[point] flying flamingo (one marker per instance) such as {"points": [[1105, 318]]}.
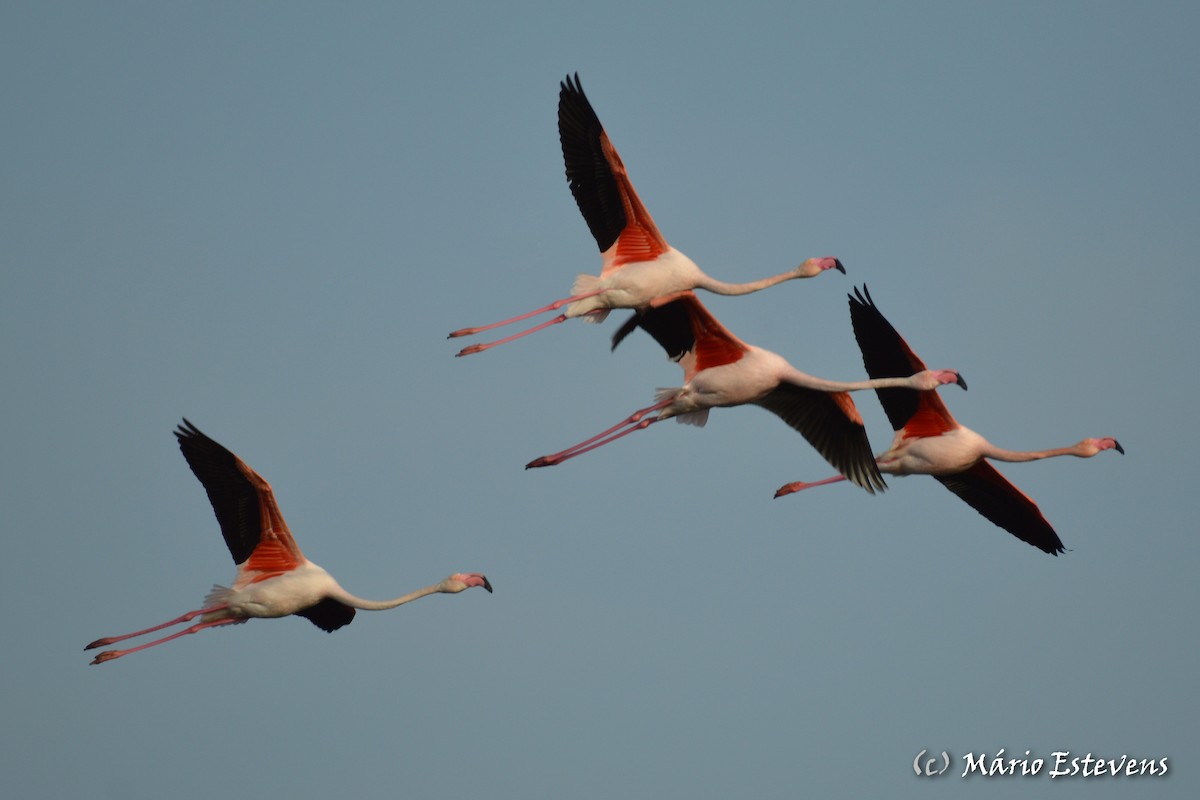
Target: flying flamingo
{"points": [[721, 370], [929, 441], [274, 579], [640, 268]]}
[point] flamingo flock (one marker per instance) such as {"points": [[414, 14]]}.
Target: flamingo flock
{"points": [[640, 271]]}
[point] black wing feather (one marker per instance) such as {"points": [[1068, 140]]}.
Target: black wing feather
{"points": [[588, 172], [627, 327], [990, 493], [840, 441], [885, 355], [670, 324], [234, 499], [328, 615]]}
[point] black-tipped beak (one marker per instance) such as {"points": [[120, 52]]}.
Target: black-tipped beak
{"points": [[837, 264], [1117, 445], [487, 584]]}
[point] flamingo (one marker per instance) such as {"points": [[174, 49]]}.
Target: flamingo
{"points": [[929, 441], [639, 268], [721, 370], [274, 579]]}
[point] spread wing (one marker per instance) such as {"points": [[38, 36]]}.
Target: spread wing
{"points": [[832, 425], [990, 493], [328, 615], [887, 355], [688, 332], [615, 215], [245, 507]]}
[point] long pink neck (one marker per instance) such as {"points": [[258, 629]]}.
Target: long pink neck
{"points": [[823, 385], [342, 596], [721, 287], [1000, 454]]}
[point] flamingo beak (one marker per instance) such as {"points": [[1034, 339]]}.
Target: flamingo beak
{"points": [[1117, 445], [837, 264], [486, 584], [962, 382]]}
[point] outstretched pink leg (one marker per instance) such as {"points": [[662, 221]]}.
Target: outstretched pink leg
{"points": [[479, 348], [557, 304], [109, 655], [599, 439], [797, 486], [558, 458], [188, 617]]}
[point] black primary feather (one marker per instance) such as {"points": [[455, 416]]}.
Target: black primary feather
{"points": [[885, 355], [234, 499], [988, 492], [588, 172], [328, 615], [670, 325], [818, 418]]}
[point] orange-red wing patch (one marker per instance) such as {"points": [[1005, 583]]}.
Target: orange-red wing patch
{"points": [[931, 419], [635, 244], [715, 345], [277, 551], [271, 556], [845, 404], [641, 239]]}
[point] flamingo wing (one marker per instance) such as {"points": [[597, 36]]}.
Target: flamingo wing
{"points": [[887, 355], [832, 425], [990, 493], [629, 326], [245, 507], [621, 225], [328, 615], [688, 332]]}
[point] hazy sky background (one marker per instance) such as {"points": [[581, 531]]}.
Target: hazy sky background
{"points": [[266, 217]]}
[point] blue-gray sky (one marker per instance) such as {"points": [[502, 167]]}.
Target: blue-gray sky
{"points": [[267, 217]]}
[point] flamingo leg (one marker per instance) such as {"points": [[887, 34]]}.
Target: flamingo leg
{"points": [[479, 348], [557, 304], [109, 655], [558, 459], [188, 617], [634, 420], [797, 486]]}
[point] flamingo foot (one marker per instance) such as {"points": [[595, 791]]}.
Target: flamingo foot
{"points": [[475, 348], [543, 461], [101, 642], [797, 486], [107, 655], [463, 332]]}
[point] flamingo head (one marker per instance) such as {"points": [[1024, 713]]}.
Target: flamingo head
{"points": [[933, 378], [461, 581], [815, 266], [1090, 447]]}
